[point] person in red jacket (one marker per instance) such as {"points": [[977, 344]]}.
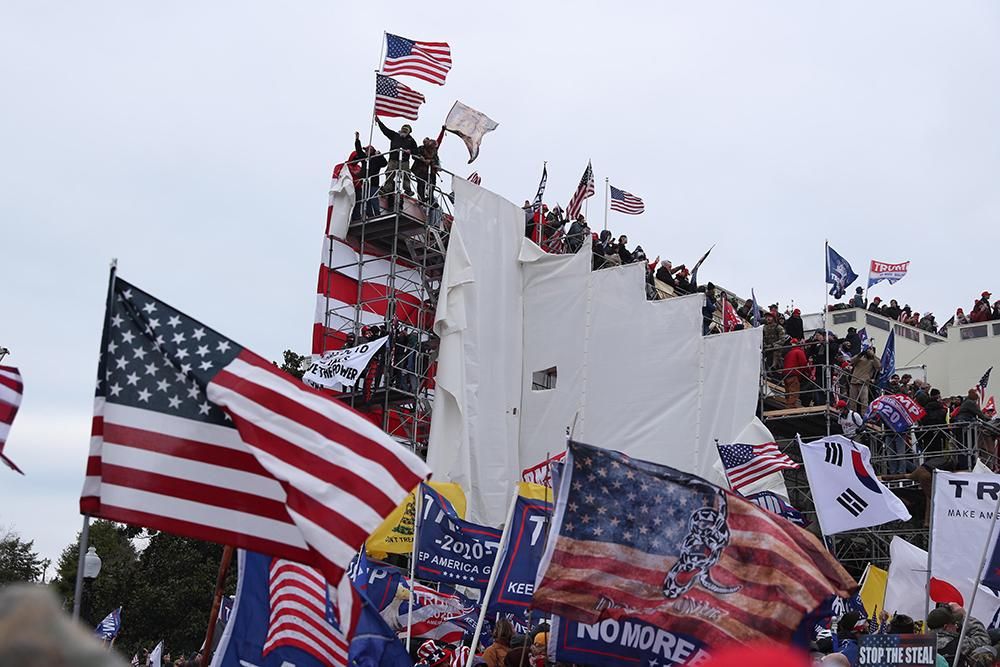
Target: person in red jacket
{"points": [[796, 370]]}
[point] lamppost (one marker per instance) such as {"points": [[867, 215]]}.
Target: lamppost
{"points": [[91, 568]]}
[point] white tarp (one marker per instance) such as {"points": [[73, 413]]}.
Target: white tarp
{"points": [[629, 374], [342, 367]]}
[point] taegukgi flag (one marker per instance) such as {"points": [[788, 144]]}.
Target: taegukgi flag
{"points": [[880, 271], [845, 489]]}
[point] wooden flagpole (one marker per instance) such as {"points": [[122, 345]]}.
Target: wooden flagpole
{"points": [[418, 495], [220, 581]]}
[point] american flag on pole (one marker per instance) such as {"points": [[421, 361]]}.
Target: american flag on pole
{"points": [[745, 464], [584, 190], [298, 614], [626, 202], [11, 390], [536, 205], [195, 435], [394, 100], [474, 178], [638, 540], [429, 61], [983, 382]]}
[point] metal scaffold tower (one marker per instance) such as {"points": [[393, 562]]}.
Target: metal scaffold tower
{"points": [[394, 250]]}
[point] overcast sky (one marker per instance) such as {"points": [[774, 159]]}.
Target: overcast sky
{"points": [[194, 142]]}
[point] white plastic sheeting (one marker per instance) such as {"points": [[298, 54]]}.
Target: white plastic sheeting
{"points": [[631, 374]]}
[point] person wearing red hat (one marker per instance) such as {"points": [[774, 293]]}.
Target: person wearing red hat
{"points": [[876, 305], [794, 326], [849, 420]]}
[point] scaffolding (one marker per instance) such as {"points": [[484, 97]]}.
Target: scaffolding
{"points": [[397, 250]]}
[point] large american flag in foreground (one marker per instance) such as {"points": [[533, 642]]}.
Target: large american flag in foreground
{"points": [[11, 390], [429, 61], [641, 540], [394, 100], [626, 202], [583, 190], [745, 464], [195, 435]]}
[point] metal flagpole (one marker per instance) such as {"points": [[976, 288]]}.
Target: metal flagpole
{"points": [[78, 590], [418, 496], [826, 335], [606, 186], [484, 601], [85, 532], [365, 194], [930, 535], [976, 580]]}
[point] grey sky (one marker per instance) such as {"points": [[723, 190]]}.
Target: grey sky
{"points": [[194, 141]]}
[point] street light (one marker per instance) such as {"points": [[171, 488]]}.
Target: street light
{"points": [[91, 564]]}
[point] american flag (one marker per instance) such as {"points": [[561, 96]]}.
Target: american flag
{"points": [[641, 540], [983, 382], [584, 190], [195, 435], [429, 61], [745, 464], [11, 390], [109, 628], [393, 99], [474, 178], [626, 202], [536, 205], [298, 603]]}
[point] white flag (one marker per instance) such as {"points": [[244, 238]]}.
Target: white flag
{"points": [[156, 656], [470, 125], [342, 198], [845, 490], [963, 507], [906, 588], [343, 367]]}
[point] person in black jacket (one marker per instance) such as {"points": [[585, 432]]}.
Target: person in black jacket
{"points": [[367, 188], [401, 147], [793, 325]]}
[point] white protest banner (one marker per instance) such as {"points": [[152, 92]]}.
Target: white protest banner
{"points": [[963, 507], [342, 367]]}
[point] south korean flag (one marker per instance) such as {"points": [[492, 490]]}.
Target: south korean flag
{"points": [[845, 490]]}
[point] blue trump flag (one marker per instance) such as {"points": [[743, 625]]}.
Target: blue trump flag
{"points": [[110, 626], [515, 582], [888, 360], [377, 581], [280, 619], [623, 641], [450, 549], [839, 273]]}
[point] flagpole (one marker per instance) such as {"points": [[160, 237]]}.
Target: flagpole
{"points": [[371, 129], [418, 496], [606, 186], [930, 534], [484, 601], [220, 582], [826, 336], [976, 580]]}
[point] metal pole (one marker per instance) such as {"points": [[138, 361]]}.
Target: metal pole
{"points": [[826, 335], [220, 582], [78, 590], [930, 534], [417, 504], [976, 580], [484, 601], [606, 186]]}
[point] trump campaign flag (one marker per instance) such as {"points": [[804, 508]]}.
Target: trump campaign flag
{"points": [[195, 435], [839, 273], [395, 534], [846, 492], [962, 515], [515, 580], [109, 628], [450, 549], [623, 641], [441, 615], [897, 411], [641, 541], [888, 361], [880, 271], [283, 615]]}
